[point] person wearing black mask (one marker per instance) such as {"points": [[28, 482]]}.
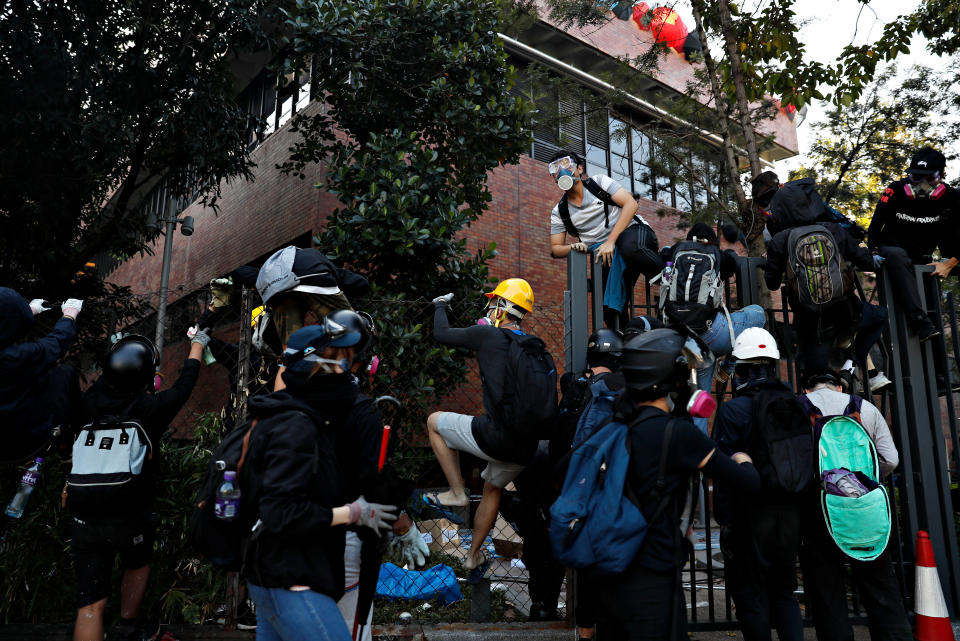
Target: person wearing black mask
{"points": [[915, 216]]}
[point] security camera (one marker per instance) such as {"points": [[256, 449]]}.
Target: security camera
{"points": [[186, 225]]}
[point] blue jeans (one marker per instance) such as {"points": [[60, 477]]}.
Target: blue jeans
{"points": [[717, 339], [284, 615]]}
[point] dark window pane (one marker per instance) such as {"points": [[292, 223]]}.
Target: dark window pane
{"points": [[641, 147], [623, 179], [597, 157], [620, 164]]}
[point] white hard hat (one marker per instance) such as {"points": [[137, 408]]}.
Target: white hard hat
{"points": [[753, 343]]}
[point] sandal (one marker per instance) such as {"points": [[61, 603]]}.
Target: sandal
{"points": [[476, 574], [432, 502]]}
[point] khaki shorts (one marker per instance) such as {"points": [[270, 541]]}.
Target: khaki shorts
{"points": [[457, 433]]}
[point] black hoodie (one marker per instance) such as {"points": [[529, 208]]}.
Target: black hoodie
{"points": [[918, 225], [22, 364], [293, 462]]}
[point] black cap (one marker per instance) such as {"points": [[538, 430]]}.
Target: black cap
{"points": [[763, 187], [811, 377], [927, 161]]}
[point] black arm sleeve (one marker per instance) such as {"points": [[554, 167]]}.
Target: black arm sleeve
{"points": [[469, 337], [741, 477], [728, 263], [876, 236], [861, 257], [776, 261], [351, 283], [227, 354], [168, 403]]}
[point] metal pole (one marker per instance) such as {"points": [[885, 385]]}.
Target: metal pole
{"points": [[171, 226]]}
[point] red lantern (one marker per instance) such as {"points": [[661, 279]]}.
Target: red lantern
{"points": [[668, 28]]}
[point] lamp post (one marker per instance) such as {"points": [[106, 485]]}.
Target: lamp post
{"points": [[169, 217]]}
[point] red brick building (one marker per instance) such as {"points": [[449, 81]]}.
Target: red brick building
{"points": [[275, 210]]}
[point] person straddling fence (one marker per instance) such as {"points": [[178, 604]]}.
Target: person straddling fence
{"points": [[519, 381], [692, 294], [816, 261], [110, 488], [914, 216], [760, 537], [36, 395], [294, 563], [598, 214], [849, 519], [637, 577]]}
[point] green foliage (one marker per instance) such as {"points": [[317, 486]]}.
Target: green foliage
{"points": [[101, 100], [863, 147], [420, 90], [39, 584]]}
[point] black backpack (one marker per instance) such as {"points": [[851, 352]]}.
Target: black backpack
{"points": [[531, 383], [224, 542], [781, 442], [695, 290], [817, 274]]}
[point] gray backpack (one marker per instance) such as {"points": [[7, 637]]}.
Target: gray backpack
{"points": [[816, 272], [694, 291]]}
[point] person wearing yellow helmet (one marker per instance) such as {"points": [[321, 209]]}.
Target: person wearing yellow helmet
{"points": [[506, 435]]}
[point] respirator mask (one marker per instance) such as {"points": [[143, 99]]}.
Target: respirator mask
{"points": [[700, 404], [924, 186], [562, 170]]}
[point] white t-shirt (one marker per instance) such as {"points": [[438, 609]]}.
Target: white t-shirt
{"points": [[588, 218]]}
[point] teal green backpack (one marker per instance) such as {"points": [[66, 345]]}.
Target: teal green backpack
{"points": [[860, 525]]}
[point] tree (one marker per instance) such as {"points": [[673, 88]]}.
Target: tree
{"points": [[100, 100], [417, 110], [865, 146]]}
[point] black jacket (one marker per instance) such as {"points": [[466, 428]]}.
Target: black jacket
{"points": [[493, 433], [154, 412], [293, 460], [917, 225], [777, 254], [22, 364]]}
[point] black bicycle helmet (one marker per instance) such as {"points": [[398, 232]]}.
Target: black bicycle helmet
{"points": [[131, 364], [653, 361], [353, 323], [604, 348]]}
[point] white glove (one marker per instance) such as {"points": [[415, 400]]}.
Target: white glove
{"points": [[201, 337], [375, 516], [446, 298], [38, 306], [412, 547], [71, 307]]}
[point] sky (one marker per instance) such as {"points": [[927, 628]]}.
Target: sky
{"points": [[828, 26]]}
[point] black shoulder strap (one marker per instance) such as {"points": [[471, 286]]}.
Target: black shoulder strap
{"points": [[600, 194], [658, 490], [564, 210]]}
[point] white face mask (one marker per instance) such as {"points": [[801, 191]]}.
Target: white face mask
{"points": [[565, 182]]}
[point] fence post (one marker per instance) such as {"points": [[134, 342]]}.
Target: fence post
{"points": [[480, 602]]}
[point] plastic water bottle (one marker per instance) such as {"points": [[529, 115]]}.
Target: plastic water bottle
{"points": [[27, 482], [667, 271], [227, 505]]}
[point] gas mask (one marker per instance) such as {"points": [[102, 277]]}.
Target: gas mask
{"points": [[562, 170], [924, 186], [700, 403]]}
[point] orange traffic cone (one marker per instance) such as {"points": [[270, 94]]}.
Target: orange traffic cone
{"points": [[933, 620]]}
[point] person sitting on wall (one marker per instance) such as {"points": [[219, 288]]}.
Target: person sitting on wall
{"points": [[916, 215], [597, 214]]}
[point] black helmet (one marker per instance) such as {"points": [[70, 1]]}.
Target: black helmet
{"points": [[654, 361], [131, 364], [604, 348], [639, 325], [354, 323]]}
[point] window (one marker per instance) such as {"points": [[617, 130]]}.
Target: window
{"points": [[621, 167], [271, 102]]}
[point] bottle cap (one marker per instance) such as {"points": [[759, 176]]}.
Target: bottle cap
{"points": [[39, 460], [230, 475]]}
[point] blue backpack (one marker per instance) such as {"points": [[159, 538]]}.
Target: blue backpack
{"points": [[597, 412], [597, 523]]}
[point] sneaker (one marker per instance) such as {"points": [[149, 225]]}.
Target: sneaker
{"points": [[247, 616], [878, 382], [925, 330]]}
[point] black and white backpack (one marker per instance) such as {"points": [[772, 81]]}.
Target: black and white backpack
{"points": [[108, 458], [694, 292]]}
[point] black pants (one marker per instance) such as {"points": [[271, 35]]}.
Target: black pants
{"points": [[817, 331], [641, 605], [585, 613], [761, 568], [824, 577], [898, 267], [638, 247]]}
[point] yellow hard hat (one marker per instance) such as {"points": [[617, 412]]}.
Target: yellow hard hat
{"points": [[256, 314], [516, 291]]}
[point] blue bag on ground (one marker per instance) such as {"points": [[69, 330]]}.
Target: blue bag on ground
{"points": [[439, 581], [596, 522]]}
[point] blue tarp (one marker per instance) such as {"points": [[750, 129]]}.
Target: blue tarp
{"points": [[438, 581]]}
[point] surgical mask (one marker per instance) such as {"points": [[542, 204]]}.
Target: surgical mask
{"points": [[328, 364]]}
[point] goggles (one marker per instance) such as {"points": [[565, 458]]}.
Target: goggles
{"points": [[927, 178], [567, 162]]}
